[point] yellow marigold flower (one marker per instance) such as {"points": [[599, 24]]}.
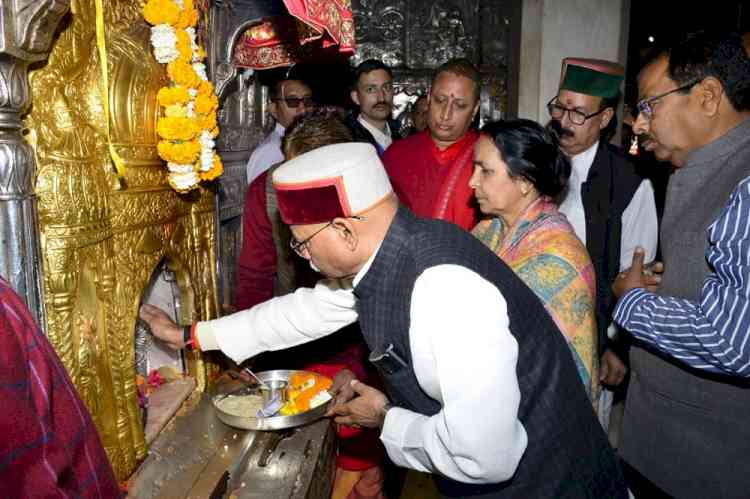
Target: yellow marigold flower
{"points": [[214, 132], [184, 45], [200, 54], [182, 73], [168, 96], [161, 12], [179, 152], [205, 104], [189, 15], [175, 111], [207, 122], [206, 88], [173, 128], [216, 170]]}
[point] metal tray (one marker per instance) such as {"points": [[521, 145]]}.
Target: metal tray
{"points": [[266, 424]]}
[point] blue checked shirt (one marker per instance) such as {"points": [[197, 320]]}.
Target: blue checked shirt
{"points": [[713, 334]]}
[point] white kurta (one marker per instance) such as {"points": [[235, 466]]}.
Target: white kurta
{"points": [[640, 226], [383, 138], [463, 356], [266, 154]]}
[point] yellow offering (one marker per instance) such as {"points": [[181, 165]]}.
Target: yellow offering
{"points": [[305, 391]]}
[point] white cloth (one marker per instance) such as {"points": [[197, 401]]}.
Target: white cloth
{"points": [[463, 356], [640, 226], [266, 154], [383, 138]]}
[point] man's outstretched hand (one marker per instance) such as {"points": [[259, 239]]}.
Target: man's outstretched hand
{"points": [[162, 326]]}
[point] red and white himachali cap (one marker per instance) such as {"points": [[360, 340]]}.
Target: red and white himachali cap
{"points": [[340, 180]]}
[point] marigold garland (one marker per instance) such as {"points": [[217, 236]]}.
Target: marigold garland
{"points": [[187, 126]]}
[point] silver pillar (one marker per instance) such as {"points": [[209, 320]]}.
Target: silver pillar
{"points": [[26, 31]]}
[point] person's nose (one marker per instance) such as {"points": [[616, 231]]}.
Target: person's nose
{"points": [[446, 112], [641, 124], [565, 121], [474, 179]]}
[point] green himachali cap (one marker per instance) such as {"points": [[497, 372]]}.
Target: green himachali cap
{"points": [[591, 77]]}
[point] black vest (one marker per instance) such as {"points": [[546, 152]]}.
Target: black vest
{"points": [[567, 455], [609, 187]]}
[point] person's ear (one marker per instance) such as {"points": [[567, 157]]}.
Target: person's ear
{"points": [[710, 91], [347, 231], [355, 97], [606, 118]]}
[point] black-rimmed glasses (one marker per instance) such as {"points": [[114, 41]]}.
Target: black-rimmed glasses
{"points": [[646, 106], [557, 111], [294, 102]]}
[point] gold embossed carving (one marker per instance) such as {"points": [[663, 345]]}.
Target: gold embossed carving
{"points": [[101, 241]]}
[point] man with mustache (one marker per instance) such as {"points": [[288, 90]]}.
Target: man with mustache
{"points": [[373, 93], [685, 428], [610, 207], [430, 170]]}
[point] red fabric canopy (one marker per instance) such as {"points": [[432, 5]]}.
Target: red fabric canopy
{"points": [[311, 25]]}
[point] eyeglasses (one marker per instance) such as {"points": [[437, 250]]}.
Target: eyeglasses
{"points": [[302, 247], [557, 111], [294, 102], [646, 106]]}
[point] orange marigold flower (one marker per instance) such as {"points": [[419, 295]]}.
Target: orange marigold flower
{"points": [[177, 128], [205, 104], [184, 45], [179, 152], [161, 12], [169, 96], [207, 122], [206, 88], [188, 16], [183, 73]]}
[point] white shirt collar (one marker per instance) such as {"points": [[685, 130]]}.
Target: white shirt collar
{"points": [[581, 162], [279, 129], [381, 137], [363, 271]]}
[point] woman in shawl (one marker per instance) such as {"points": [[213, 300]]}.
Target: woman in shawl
{"points": [[518, 171]]}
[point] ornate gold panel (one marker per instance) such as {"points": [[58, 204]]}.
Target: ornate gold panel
{"points": [[101, 238]]}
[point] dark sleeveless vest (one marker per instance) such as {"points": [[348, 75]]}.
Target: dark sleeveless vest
{"points": [[606, 193], [687, 430], [567, 455]]}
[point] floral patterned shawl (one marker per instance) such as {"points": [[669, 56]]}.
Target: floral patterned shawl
{"points": [[543, 250]]}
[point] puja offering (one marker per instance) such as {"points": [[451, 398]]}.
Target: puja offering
{"points": [[287, 400]]}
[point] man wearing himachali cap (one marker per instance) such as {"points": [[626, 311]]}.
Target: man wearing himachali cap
{"points": [[481, 388], [610, 206]]}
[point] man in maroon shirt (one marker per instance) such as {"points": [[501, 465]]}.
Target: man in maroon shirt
{"points": [[49, 446], [430, 170]]}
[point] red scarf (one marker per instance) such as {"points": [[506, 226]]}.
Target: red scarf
{"points": [[455, 201]]}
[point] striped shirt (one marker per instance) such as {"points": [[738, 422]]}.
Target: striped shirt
{"points": [[49, 446], [713, 334]]}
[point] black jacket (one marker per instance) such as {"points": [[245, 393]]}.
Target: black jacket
{"points": [[362, 134]]}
